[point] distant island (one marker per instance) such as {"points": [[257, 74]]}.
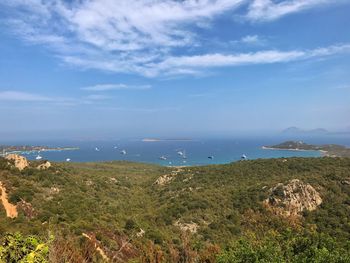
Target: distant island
{"points": [[165, 140], [333, 150], [6, 149]]}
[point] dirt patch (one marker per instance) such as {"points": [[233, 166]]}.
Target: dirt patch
{"points": [[11, 210]]}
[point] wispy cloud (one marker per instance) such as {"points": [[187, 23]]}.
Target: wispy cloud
{"points": [[143, 37], [96, 97], [253, 58], [108, 87], [13, 96], [22, 96], [251, 39], [267, 10]]}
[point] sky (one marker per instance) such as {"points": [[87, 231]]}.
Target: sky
{"points": [[121, 68]]}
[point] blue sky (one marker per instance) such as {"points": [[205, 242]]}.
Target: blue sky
{"points": [[120, 68]]}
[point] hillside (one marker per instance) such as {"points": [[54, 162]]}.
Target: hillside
{"points": [[121, 211]]}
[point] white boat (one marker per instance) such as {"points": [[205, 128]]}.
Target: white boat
{"points": [[180, 153], [38, 157], [97, 149], [162, 158], [244, 157], [68, 160], [211, 157], [123, 152], [115, 147]]}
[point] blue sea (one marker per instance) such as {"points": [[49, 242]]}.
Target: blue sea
{"points": [[186, 153]]}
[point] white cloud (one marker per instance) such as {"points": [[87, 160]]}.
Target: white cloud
{"points": [[95, 97], [108, 87], [22, 96], [251, 39], [253, 58], [267, 10], [143, 36]]}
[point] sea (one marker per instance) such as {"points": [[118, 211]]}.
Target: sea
{"points": [[172, 152]]}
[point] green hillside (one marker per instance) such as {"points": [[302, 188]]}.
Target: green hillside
{"points": [[131, 215]]}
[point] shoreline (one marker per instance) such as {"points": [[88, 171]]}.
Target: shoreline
{"points": [[42, 150], [323, 152]]}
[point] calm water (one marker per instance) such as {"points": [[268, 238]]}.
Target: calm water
{"points": [[196, 151]]}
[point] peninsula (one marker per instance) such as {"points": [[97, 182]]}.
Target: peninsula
{"points": [[332, 150], [6, 149]]}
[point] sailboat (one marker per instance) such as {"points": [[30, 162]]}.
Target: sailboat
{"points": [[123, 152], [68, 160], [38, 157]]}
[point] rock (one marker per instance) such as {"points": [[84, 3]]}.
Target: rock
{"points": [[167, 178], [346, 181], [54, 190], [293, 198], [20, 162], [27, 209], [164, 179], [191, 227], [141, 233], [44, 166]]}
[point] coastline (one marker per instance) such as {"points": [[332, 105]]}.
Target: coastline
{"points": [[42, 150], [323, 152]]}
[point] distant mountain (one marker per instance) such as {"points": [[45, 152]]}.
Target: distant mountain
{"points": [[296, 130]]}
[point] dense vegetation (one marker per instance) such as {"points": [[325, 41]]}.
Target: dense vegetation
{"points": [[117, 207]]}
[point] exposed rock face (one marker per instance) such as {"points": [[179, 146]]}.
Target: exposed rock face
{"points": [[346, 181], [191, 227], [20, 162], [164, 179], [293, 198], [167, 178], [44, 166]]}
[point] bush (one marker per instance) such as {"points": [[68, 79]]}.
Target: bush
{"points": [[16, 248]]}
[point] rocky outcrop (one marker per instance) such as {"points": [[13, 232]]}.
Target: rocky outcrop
{"points": [[187, 227], [164, 179], [44, 166], [27, 209], [293, 198], [19, 161], [167, 178]]}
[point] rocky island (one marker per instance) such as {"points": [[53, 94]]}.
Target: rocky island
{"points": [[332, 150]]}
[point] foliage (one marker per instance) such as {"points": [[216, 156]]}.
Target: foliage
{"points": [[224, 201], [16, 248], [317, 248]]}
